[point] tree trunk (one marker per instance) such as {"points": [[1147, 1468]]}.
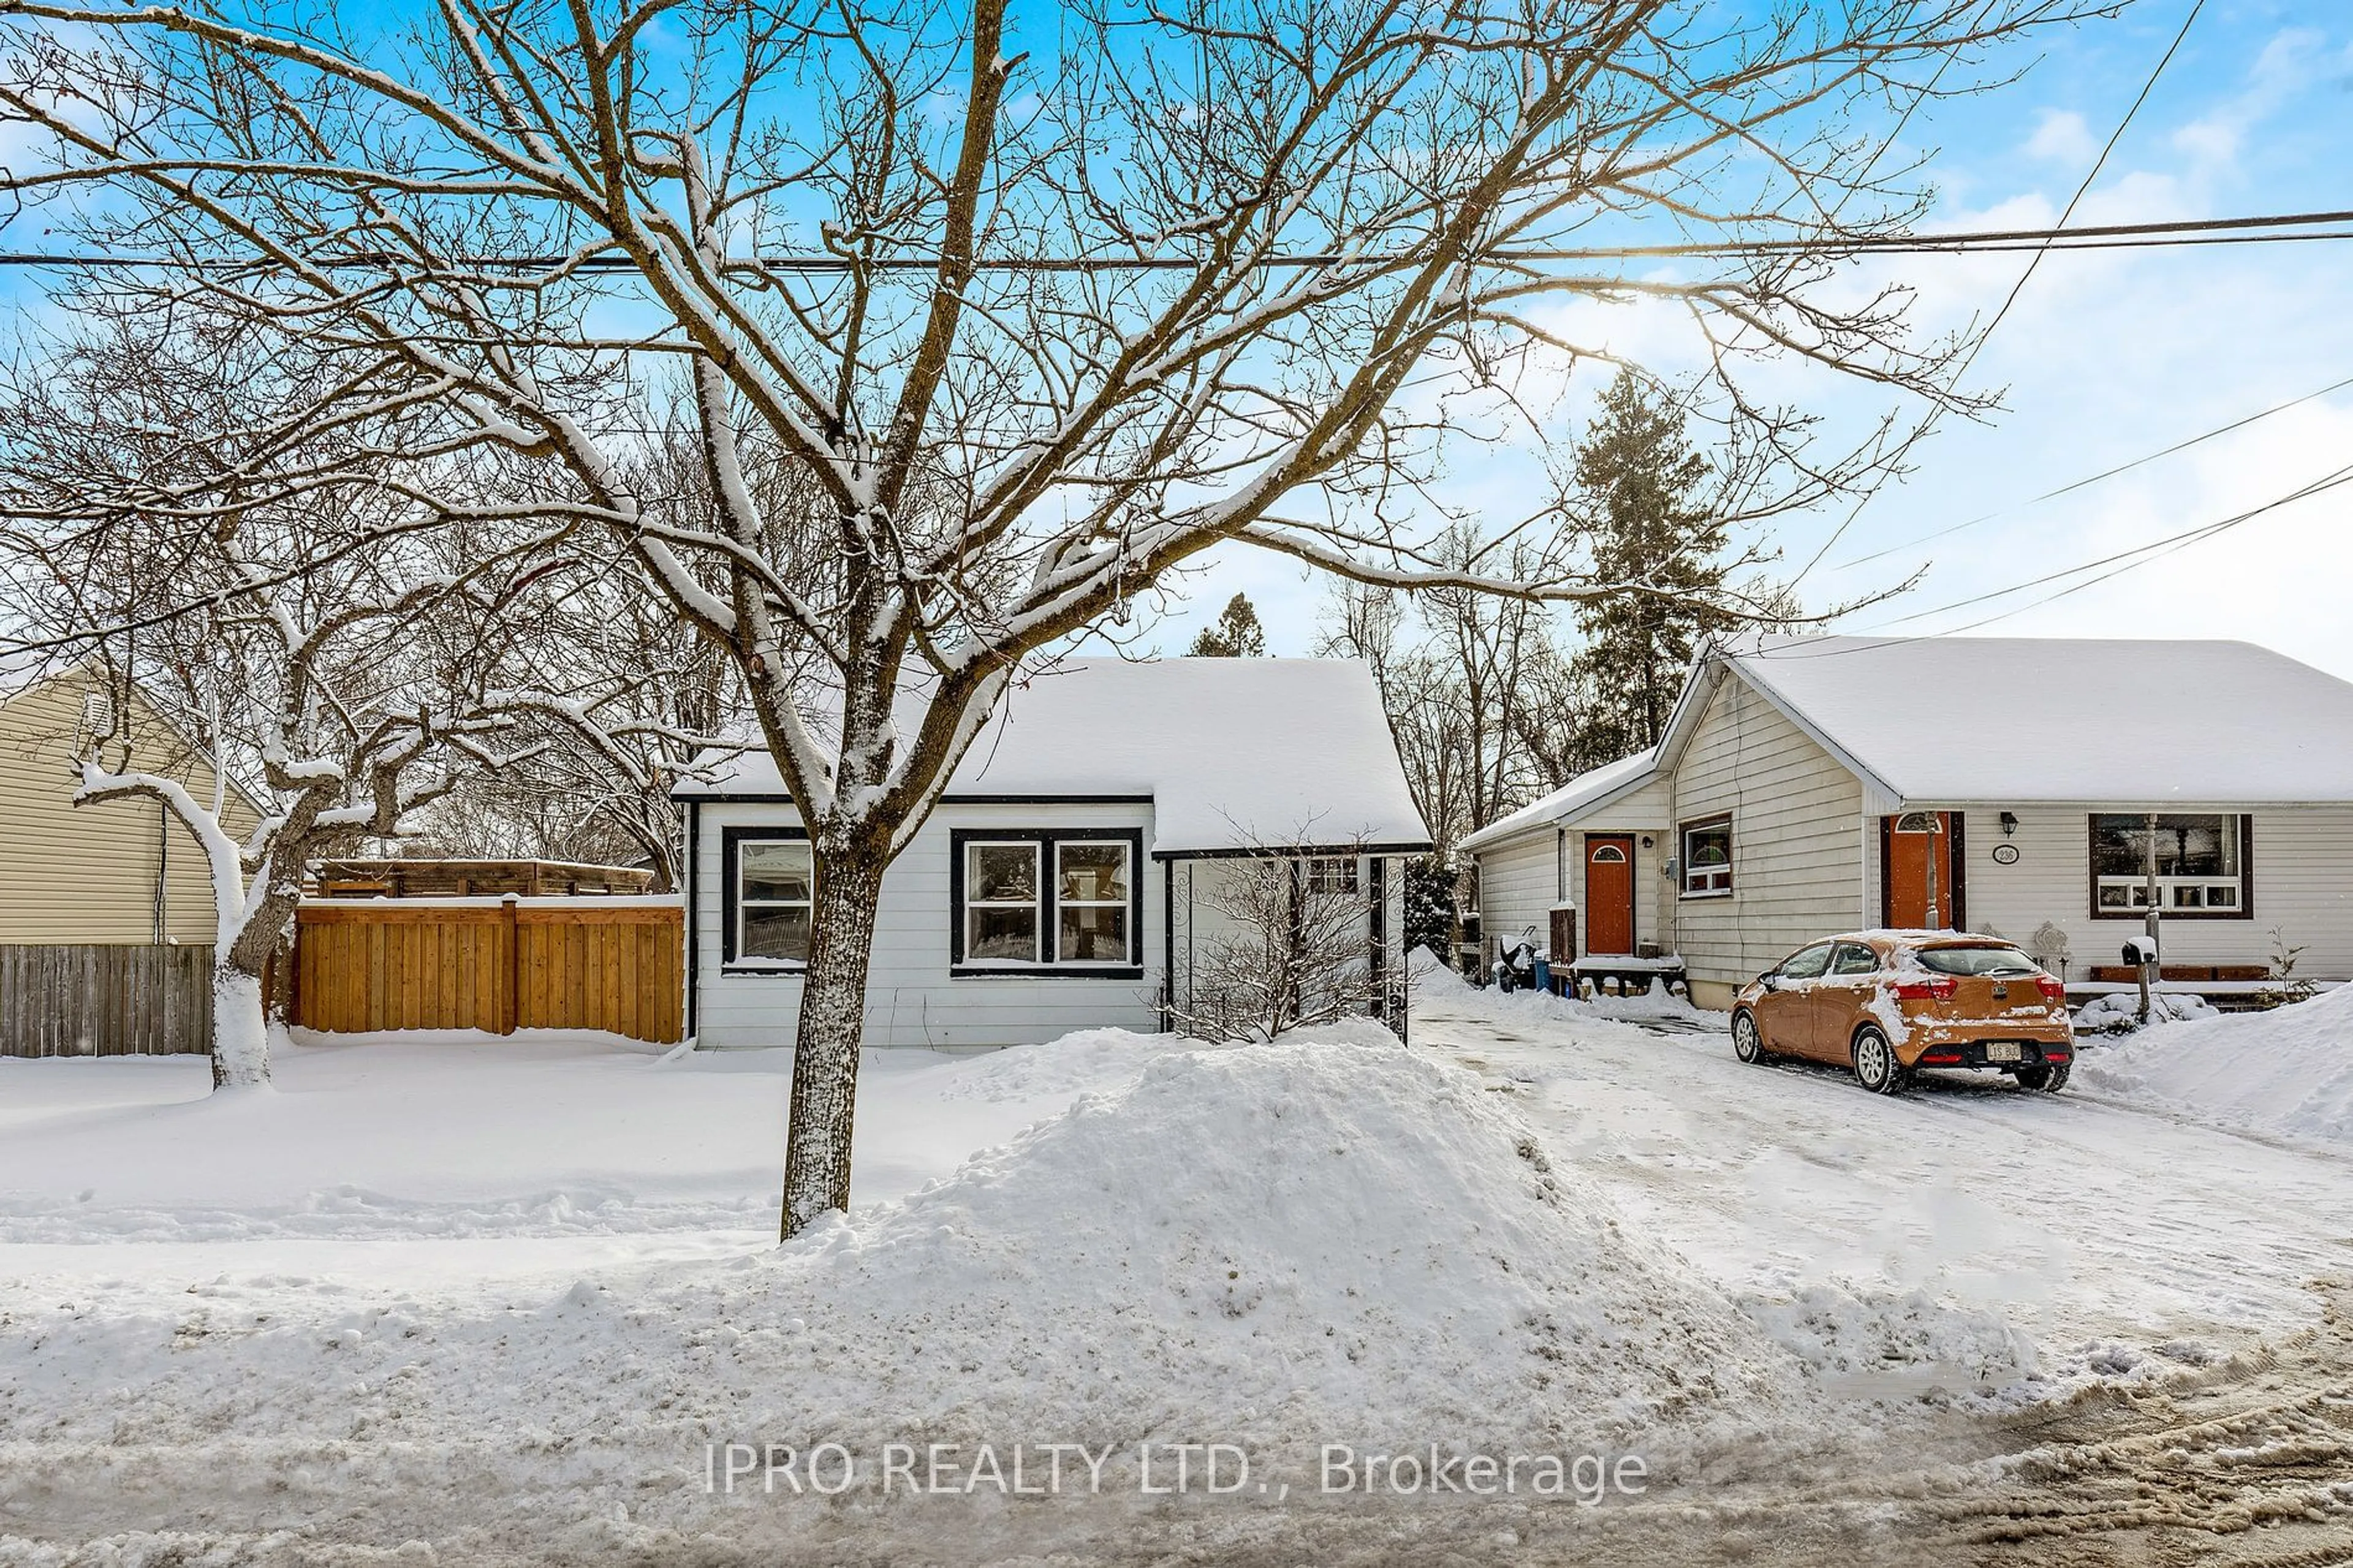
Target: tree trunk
{"points": [[825, 1053], [240, 1029]]}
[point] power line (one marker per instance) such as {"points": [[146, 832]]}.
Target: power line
{"points": [[2256, 228], [2098, 163], [2120, 563], [2035, 261], [2138, 555], [2070, 488]]}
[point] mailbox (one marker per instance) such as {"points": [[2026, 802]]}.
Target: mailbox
{"points": [[2140, 950]]}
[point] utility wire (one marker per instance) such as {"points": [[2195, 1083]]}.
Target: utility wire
{"points": [[2123, 560], [2254, 228], [2094, 478], [2018, 288]]}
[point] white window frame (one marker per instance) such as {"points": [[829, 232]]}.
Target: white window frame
{"points": [[743, 958], [1124, 903], [1714, 881], [1330, 875], [1035, 903], [2176, 895]]}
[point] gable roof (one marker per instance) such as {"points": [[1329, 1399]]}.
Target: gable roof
{"points": [[1234, 753], [2057, 719], [1585, 791], [28, 676]]}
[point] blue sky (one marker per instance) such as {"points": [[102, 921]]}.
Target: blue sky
{"points": [[2106, 358]]}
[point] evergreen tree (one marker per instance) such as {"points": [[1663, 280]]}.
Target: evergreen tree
{"points": [[1236, 634], [1640, 501]]}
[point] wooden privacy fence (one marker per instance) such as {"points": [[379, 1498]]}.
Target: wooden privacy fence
{"points": [[500, 964], [106, 1000]]}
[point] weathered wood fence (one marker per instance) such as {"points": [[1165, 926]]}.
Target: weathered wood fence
{"points": [[499, 964], [105, 1000]]}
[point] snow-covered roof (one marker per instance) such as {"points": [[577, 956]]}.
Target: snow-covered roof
{"points": [[2064, 719], [1235, 753], [1586, 789]]}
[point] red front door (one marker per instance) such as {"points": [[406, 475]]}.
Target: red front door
{"points": [[1610, 894], [1920, 891]]}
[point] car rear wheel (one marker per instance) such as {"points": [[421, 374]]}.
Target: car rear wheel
{"points": [[1875, 1066], [1746, 1043], [2050, 1077]]}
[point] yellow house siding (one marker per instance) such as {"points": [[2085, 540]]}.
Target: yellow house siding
{"points": [[1796, 841], [88, 874]]}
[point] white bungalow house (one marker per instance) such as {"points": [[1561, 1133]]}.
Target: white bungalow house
{"points": [[1061, 883], [2031, 788]]}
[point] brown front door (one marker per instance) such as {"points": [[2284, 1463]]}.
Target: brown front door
{"points": [[1609, 894], [1921, 894]]}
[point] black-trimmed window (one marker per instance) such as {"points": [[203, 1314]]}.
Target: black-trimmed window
{"points": [[1047, 901], [1332, 874], [769, 882], [2200, 863], [1706, 871]]}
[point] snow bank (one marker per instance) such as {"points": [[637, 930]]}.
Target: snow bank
{"points": [[455, 1136], [1272, 1245], [2118, 1012], [1308, 1237], [1427, 971], [2289, 1071], [1654, 1005]]}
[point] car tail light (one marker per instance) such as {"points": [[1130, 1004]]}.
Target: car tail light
{"points": [[2049, 1055], [2053, 990], [1941, 1059], [1940, 989]]}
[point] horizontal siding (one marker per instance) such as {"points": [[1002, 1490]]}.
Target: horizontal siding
{"points": [[2303, 886], [1796, 839], [912, 1000], [1519, 881], [88, 874], [1645, 810]]}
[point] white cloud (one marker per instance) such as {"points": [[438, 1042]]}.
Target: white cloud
{"points": [[2062, 137]]}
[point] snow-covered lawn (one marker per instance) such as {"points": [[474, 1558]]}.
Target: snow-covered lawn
{"points": [[465, 1137], [494, 1301]]}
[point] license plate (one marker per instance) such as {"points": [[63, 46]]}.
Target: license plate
{"points": [[2002, 1051]]}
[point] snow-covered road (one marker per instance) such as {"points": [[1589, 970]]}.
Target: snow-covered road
{"points": [[2092, 1224]]}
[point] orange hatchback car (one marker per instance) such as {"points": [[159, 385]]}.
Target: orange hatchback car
{"points": [[1886, 1003]]}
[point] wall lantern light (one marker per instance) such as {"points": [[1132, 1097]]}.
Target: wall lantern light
{"points": [[2008, 824], [1646, 841]]}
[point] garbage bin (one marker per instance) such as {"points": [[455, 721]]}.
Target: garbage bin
{"points": [[1544, 973]]}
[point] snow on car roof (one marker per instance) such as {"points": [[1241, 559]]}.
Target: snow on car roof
{"points": [[2066, 719], [1235, 753], [1921, 936]]}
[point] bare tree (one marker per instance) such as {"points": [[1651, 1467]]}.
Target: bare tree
{"points": [[1064, 300], [624, 702], [1281, 945], [346, 657], [1456, 669]]}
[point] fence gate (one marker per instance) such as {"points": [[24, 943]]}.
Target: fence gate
{"points": [[112, 999]]}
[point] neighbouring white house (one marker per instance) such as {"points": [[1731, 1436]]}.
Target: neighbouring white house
{"points": [[2029, 787], [1066, 878]]}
